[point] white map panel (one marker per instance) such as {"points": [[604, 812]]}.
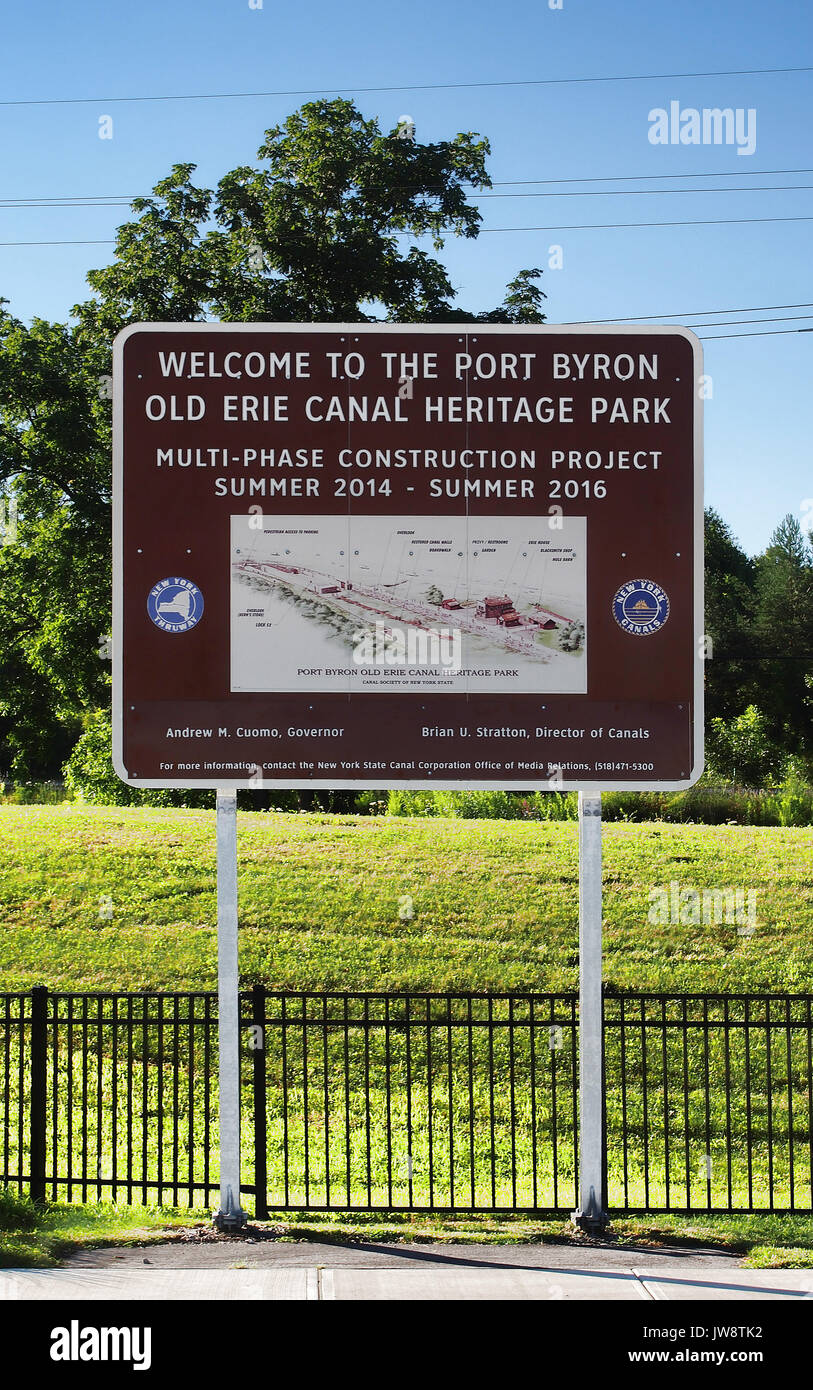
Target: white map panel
{"points": [[406, 603]]}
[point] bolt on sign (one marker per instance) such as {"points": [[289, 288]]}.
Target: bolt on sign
{"points": [[392, 555]]}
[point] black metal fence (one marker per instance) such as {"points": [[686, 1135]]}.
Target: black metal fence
{"points": [[409, 1102], [420, 1101]]}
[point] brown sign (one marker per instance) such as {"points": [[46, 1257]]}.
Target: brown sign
{"points": [[360, 555]]}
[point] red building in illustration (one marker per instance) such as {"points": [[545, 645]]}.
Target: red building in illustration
{"points": [[495, 607]]}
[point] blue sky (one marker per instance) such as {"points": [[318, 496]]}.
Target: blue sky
{"points": [[758, 452]]}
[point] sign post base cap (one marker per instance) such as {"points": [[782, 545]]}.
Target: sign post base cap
{"points": [[593, 1220], [230, 1218]]}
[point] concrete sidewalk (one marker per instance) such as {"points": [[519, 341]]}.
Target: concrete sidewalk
{"points": [[429, 1284], [218, 1269]]}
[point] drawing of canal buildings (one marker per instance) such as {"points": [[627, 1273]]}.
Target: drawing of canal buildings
{"points": [[410, 574]]}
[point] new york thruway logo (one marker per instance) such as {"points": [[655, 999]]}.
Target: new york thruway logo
{"points": [[175, 605]]}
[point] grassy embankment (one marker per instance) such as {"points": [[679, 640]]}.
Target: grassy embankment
{"points": [[495, 903]]}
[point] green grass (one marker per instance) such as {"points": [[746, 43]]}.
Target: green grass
{"points": [[42, 1239], [779, 1242], [495, 902], [494, 907], [33, 1238]]}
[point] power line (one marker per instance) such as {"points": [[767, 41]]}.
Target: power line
{"points": [[108, 242], [551, 227], [769, 333], [631, 178], [725, 323], [8, 204], [601, 226], [643, 192], [415, 87], [81, 197], [690, 313], [721, 323], [42, 203], [117, 199]]}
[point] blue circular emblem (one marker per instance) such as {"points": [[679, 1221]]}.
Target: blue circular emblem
{"points": [[175, 605], [641, 607]]}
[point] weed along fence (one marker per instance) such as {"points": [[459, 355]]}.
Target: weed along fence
{"points": [[410, 1102]]}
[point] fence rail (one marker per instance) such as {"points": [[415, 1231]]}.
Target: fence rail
{"points": [[409, 1102]]}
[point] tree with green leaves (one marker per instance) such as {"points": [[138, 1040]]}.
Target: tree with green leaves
{"points": [[55, 561], [732, 678], [784, 634], [318, 231], [323, 227], [570, 637], [742, 750]]}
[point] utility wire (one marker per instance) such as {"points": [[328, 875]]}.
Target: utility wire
{"points": [[690, 313], [108, 242], [632, 178], [81, 197], [601, 226], [551, 227], [726, 323], [116, 199], [8, 204], [475, 197], [721, 323], [574, 323], [769, 333], [415, 87], [620, 192], [657, 192]]}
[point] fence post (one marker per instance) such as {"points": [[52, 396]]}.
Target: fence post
{"points": [[260, 1104], [39, 1091]]}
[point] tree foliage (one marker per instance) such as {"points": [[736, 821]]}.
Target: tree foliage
{"points": [[570, 637], [730, 610], [784, 635], [759, 614], [317, 231], [741, 749], [55, 562], [323, 227]]}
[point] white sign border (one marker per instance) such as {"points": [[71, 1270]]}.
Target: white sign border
{"points": [[465, 334]]}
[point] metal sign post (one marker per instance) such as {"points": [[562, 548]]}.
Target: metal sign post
{"points": [[591, 1214], [230, 1216]]}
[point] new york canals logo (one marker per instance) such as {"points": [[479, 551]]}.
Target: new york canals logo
{"points": [[175, 605], [641, 607]]}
